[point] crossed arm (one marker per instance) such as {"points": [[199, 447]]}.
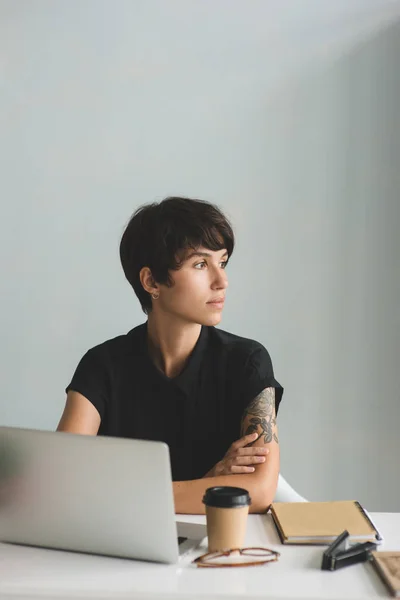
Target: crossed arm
{"points": [[259, 421], [239, 467]]}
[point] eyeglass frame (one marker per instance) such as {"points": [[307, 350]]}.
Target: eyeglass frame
{"points": [[201, 562]]}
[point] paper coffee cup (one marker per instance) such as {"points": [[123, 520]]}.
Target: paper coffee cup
{"points": [[226, 513]]}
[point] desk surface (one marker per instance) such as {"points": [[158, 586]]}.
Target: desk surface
{"points": [[38, 573]]}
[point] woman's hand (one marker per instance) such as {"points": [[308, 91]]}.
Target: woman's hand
{"points": [[240, 457]]}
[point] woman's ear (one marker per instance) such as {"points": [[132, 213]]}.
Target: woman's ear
{"points": [[148, 282]]}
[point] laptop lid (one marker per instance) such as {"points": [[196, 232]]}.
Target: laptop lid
{"points": [[94, 494]]}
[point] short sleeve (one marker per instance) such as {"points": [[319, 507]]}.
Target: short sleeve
{"points": [[90, 380], [258, 375]]}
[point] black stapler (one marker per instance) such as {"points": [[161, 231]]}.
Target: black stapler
{"points": [[339, 554]]}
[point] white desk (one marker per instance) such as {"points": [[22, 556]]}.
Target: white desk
{"points": [[37, 573]]}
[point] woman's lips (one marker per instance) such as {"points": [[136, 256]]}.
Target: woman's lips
{"points": [[216, 303]]}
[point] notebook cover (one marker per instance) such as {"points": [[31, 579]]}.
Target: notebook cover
{"points": [[307, 521], [387, 565]]}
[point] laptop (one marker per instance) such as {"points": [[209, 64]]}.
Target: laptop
{"points": [[95, 494]]}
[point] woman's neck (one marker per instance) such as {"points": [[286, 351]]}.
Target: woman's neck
{"points": [[170, 343]]}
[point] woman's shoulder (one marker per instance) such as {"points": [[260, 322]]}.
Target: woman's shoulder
{"points": [[235, 343], [118, 346]]}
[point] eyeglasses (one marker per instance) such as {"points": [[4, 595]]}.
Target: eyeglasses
{"points": [[249, 557]]}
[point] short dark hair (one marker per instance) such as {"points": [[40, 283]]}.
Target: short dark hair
{"points": [[158, 233]]}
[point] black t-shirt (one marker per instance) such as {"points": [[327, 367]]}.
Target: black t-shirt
{"points": [[197, 413]]}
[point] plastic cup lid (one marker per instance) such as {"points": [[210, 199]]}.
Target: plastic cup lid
{"points": [[226, 497]]}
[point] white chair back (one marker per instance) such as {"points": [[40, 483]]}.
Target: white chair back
{"points": [[285, 492]]}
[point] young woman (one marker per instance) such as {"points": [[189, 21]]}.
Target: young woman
{"points": [[209, 394]]}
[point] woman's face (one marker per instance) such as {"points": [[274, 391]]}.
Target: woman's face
{"points": [[198, 292]]}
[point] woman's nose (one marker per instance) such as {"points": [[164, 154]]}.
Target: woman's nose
{"points": [[220, 280]]}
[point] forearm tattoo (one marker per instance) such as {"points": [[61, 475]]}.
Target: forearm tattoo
{"points": [[260, 413]]}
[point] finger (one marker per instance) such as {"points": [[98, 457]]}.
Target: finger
{"points": [[248, 460], [236, 469], [247, 439], [252, 451]]}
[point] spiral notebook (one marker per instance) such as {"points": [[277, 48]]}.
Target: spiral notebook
{"points": [[322, 522], [387, 565]]}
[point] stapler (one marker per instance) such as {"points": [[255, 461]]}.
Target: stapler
{"points": [[339, 554]]}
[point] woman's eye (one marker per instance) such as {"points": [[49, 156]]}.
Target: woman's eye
{"points": [[203, 264]]}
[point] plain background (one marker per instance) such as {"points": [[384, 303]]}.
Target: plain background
{"points": [[283, 113]]}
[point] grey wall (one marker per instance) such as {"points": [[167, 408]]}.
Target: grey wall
{"points": [[286, 115]]}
